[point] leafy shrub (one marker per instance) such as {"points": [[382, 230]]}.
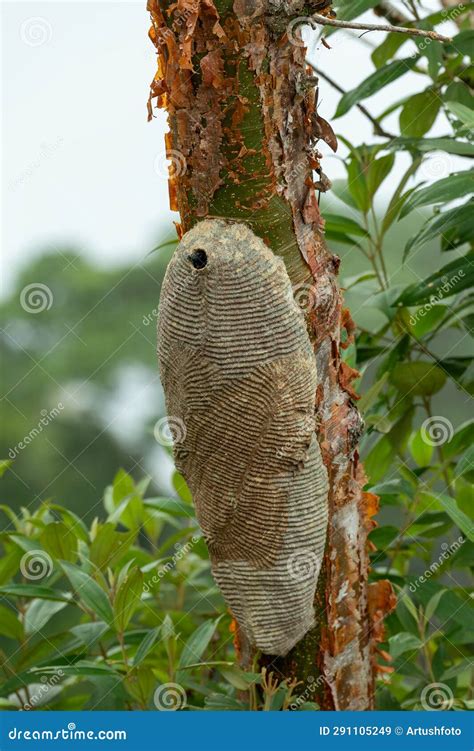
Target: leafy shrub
{"points": [[118, 615], [125, 615]]}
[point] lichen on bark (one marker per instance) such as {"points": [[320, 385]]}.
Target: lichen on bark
{"points": [[243, 120]]}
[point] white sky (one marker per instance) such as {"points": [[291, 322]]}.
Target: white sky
{"points": [[78, 152]]}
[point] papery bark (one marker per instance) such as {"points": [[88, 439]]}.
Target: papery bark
{"points": [[244, 130]]}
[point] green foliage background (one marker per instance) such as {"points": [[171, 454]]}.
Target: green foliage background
{"points": [[125, 603]]}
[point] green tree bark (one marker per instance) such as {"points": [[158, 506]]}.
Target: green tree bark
{"points": [[243, 137]]}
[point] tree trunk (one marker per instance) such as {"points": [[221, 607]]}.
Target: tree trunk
{"points": [[243, 132]]}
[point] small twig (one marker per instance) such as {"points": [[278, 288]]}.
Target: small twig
{"points": [[379, 27], [378, 128]]}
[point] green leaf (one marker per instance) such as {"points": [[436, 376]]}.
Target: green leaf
{"points": [[171, 506], [108, 545], [449, 280], [379, 459], [397, 200], [196, 646], [454, 226], [343, 224], [432, 50], [450, 145], [432, 605], [419, 113], [427, 320], [385, 301], [58, 540], [141, 682], [463, 43], [89, 592], [181, 487], [4, 465], [403, 642], [385, 51], [167, 628], [463, 113], [357, 184], [89, 633], [38, 614], [11, 515], [164, 244], [352, 281], [123, 486], [370, 396], [222, 702], [146, 645], [463, 437], [33, 590], [466, 463], [457, 91], [378, 170], [128, 598], [341, 191], [382, 537], [349, 9], [420, 450], [457, 185], [235, 676], [80, 668], [465, 666], [71, 519], [341, 238], [418, 378], [127, 500], [10, 625], [454, 512], [378, 80]]}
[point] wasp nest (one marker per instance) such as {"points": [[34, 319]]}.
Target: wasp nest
{"points": [[239, 376]]}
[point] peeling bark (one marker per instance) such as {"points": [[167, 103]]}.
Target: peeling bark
{"points": [[244, 124]]}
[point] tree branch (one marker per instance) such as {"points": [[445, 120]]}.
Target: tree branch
{"points": [[379, 131], [378, 27]]}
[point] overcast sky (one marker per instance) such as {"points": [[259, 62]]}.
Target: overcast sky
{"points": [[78, 152]]}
